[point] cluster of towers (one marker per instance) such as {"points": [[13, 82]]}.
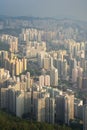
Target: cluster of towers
{"points": [[12, 63], [11, 41], [22, 96]]}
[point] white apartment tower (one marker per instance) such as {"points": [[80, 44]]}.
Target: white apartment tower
{"points": [[54, 77]]}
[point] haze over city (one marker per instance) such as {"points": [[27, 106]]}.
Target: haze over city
{"points": [[45, 8], [43, 64]]}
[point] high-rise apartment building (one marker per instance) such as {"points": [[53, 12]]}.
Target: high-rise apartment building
{"points": [[60, 109], [60, 67], [54, 77], [40, 109], [44, 80], [74, 75], [65, 69], [41, 80], [69, 107], [50, 110], [47, 80], [20, 104], [85, 117], [86, 50], [65, 108]]}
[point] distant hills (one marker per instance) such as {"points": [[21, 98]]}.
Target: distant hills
{"points": [[3, 17]]}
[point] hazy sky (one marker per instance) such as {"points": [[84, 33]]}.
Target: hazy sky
{"points": [[45, 8]]}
